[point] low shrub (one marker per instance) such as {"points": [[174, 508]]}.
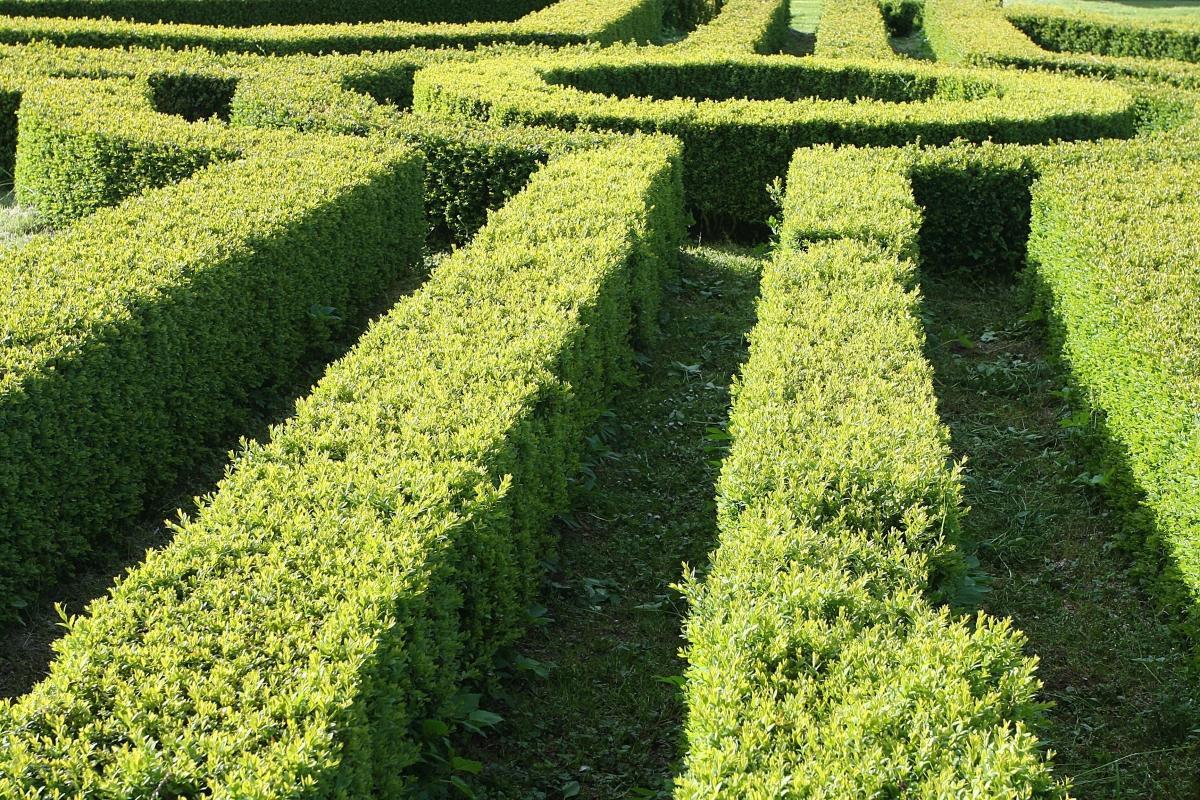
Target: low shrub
{"points": [[743, 26], [277, 12], [1078, 32], [818, 662], [1114, 254], [567, 22], [852, 29], [736, 140], [137, 340], [305, 631]]}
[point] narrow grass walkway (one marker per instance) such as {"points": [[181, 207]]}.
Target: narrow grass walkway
{"points": [[806, 16], [1126, 719], [604, 721]]}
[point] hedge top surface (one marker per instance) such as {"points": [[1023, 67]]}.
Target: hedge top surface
{"points": [[631, 88], [286, 12], [564, 23], [310, 602]]}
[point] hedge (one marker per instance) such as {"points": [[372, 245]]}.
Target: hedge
{"points": [[742, 26], [974, 32], [566, 22], [818, 665], [853, 29], [278, 12], [737, 138], [977, 32], [350, 575], [138, 340], [1114, 252], [1062, 31]]}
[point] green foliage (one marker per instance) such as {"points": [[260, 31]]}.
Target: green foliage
{"points": [[819, 666], [1114, 253], [903, 17], [1076, 32], [351, 574], [134, 341], [736, 140], [974, 32], [852, 29], [565, 22], [743, 26], [276, 12]]}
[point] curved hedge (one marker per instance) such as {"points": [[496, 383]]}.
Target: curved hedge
{"points": [[566, 22], [818, 665], [326, 604], [1077, 32], [977, 32], [741, 117]]}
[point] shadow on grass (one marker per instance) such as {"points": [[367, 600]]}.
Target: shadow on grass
{"points": [[604, 717]]}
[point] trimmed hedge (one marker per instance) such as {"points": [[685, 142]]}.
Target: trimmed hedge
{"points": [[977, 32], [853, 29], [734, 147], [818, 665], [742, 26], [1115, 251], [1075, 32], [567, 22], [138, 340], [276, 12], [351, 574]]}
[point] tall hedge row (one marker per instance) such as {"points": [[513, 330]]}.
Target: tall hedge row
{"points": [[277, 12], [1115, 251], [978, 32], [132, 343], [853, 29], [352, 573], [736, 139], [566, 22], [1059, 30], [743, 26], [818, 664]]}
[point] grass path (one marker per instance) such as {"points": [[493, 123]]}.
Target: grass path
{"points": [[1126, 723], [603, 723]]}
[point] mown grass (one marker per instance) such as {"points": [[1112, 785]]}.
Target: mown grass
{"points": [[1126, 719], [603, 718]]}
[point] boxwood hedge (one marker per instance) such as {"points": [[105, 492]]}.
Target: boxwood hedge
{"points": [[977, 32], [279, 12], [566, 22], [325, 605], [1114, 253], [741, 117], [819, 665], [1063, 31], [134, 341], [853, 29]]}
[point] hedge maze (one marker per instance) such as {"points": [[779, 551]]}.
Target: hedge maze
{"points": [[458, 233]]}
